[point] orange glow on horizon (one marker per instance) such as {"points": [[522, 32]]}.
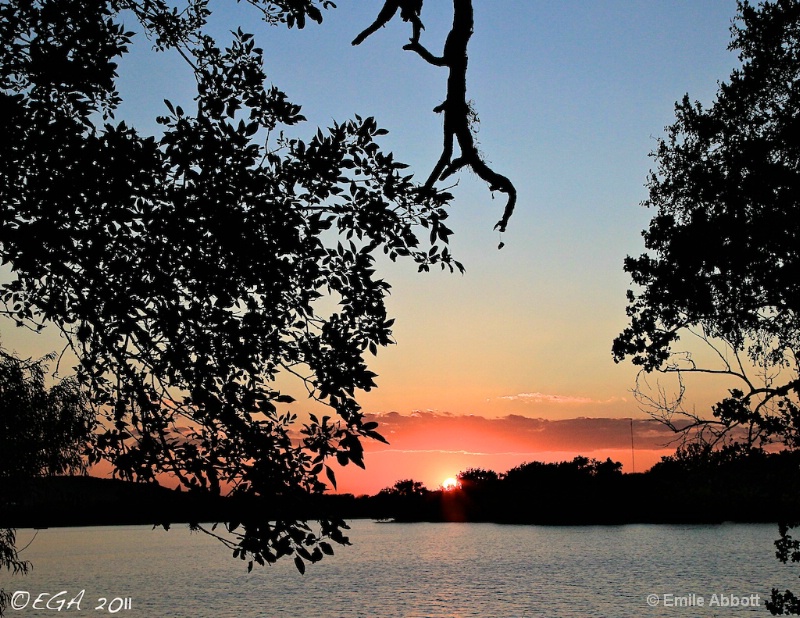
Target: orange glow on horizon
{"points": [[429, 447]]}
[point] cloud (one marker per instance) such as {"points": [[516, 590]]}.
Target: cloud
{"points": [[431, 431], [430, 446], [558, 399], [439, 451]]}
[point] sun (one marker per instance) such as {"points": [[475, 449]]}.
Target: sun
{"points": [[449, 484]]}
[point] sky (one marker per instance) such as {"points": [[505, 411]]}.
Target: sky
{"points": [[511, 361]]}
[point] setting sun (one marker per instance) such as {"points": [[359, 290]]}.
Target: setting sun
{"points": [[449, 484]]}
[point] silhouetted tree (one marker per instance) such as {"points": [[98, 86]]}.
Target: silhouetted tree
{"points": [[406, 488], [607, 468], [785, 602], [477, 477], [42, 431], [406, 500], [189, 270], [409, 11], [10, 561], [697, 456], [724, 258]]}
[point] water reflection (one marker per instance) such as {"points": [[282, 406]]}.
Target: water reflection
{"points": [[416, 570]]}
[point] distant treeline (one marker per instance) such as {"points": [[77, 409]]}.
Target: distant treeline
{"points": [[696, 485]]}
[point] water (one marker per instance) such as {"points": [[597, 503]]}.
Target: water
{"points": [[413, 570]]}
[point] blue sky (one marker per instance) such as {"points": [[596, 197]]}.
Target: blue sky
{"points": [[571, 97]]}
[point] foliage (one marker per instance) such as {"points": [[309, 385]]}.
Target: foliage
{"points": [[578, 468], [190, 271], [699, 457], [10, 560], [42, 431], [477, 477], [406, 488], [785, 603], [723, 260]]}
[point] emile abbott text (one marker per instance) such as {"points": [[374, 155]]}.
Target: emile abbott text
{"points": [[716, 600]]}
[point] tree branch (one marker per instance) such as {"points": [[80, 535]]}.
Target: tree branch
{"points": [[456, 109]]}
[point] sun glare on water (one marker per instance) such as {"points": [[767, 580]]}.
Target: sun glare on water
{"points": [[449, 484]]}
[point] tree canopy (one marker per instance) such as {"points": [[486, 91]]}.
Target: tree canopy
{"points": [[723, 266], [42, 430], [724, 259], [9, 561], [191, 270]]}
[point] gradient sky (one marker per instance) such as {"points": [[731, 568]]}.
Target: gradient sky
{"points": [[571, 97]]}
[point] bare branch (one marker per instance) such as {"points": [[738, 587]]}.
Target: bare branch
{"points": [[409, 11], [456, 109]]}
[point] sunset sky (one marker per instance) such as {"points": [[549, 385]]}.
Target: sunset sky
{"points": [[510, 362]]}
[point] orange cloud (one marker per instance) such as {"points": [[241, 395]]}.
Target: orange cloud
{"points": [[558, 399], [429, 446]]}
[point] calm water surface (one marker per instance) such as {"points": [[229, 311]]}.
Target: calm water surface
{"points": [[413, 570]]}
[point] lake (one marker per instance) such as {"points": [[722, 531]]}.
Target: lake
{"points": [[432, 570]]}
